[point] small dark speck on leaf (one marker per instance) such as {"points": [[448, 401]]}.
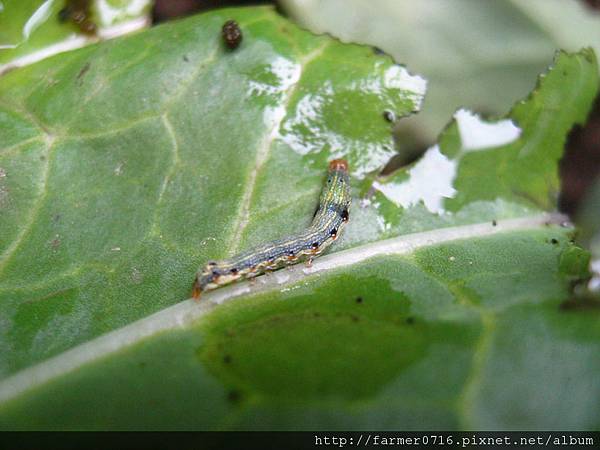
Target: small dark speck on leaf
{"points": [[64, 14], [410, 320], [584, 303], [316, 314], [354, 318], [55, 243], [227, 359], [234, 396], [82, 72], [378, 51], [554, 241], [359, 299]]}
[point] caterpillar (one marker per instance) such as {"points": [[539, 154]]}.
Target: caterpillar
{"points": [[329, 219]]}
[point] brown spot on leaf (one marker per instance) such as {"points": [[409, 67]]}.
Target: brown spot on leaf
{"points": [[82, 73], [581, 303], [55, 243], [234, 396]]}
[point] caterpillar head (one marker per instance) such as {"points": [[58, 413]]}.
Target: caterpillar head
{"points": [[207, 278]]}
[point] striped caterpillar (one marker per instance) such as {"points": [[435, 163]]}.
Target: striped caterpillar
{"points": [[327, 223]]}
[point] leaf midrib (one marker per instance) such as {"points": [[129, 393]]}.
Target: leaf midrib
{"points": [[189, 311]]}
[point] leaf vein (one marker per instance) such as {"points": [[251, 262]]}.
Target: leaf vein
{"points": [[186, 312], [11, 249], [467, 398], [262, 155], [175, 161], [6, 151]]}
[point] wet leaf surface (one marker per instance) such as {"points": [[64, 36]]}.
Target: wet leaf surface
{"points": [[121, 180], [482, 56], [125, 165]]}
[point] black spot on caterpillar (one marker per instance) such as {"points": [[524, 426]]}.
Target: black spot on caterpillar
{"points": [[327, 223]]}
